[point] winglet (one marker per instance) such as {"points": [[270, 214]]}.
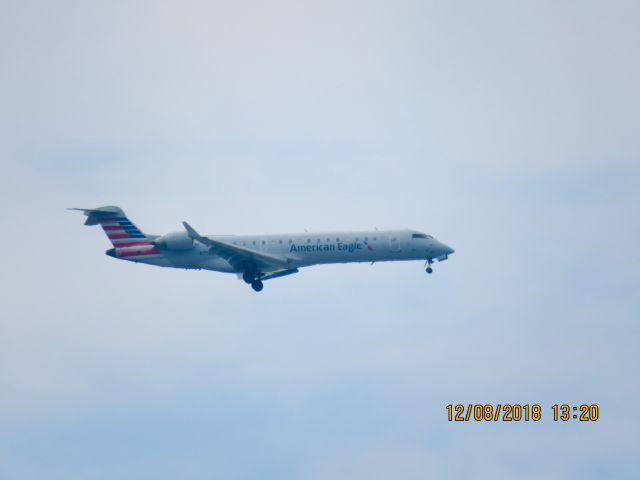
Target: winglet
{"points": [[191, 232]]}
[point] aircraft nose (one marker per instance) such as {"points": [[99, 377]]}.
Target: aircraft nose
{"points": [[447, 249]]}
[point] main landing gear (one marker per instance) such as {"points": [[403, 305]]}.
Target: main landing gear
{"points": [[253, 279], [429, 270], [248, 277]]}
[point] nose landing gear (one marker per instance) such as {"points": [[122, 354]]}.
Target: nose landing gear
{"points": [[429, 270]]}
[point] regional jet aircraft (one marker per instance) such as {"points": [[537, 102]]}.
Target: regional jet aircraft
{"points": [[256, 258]]}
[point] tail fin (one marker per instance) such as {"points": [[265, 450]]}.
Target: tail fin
{"points": [[120, 230]]}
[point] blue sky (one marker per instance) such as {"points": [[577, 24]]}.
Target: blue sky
{"points": [[508, 130]]}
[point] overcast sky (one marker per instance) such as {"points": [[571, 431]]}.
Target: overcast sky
{"points": [[509, 130]]}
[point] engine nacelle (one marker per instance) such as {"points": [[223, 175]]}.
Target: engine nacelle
{"points": [[174, 241]]}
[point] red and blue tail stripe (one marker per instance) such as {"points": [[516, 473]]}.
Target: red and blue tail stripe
{"points": [[122, 232], [128, 240]]}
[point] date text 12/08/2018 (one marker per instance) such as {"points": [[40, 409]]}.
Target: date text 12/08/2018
{"points": [[515, 412]]}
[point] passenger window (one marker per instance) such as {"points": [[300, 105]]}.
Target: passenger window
{"points": [[280, 242]]}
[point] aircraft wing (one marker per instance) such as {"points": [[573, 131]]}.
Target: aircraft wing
{"points": [[239, 257]]}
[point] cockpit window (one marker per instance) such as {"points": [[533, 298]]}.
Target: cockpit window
{"points": [[420, 235]]}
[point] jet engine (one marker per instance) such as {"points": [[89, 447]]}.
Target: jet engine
{"points": [[174, 241]]}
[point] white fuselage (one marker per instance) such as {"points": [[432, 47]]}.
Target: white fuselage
{"points": [[256, 258], [305, 249]]}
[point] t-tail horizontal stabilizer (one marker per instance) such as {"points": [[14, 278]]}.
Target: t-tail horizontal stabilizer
{"points": [[116, 225], [94, 214]]}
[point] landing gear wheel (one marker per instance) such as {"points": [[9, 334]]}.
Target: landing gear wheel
{"points": [[429, 270], [257, 285], [248, 277]]}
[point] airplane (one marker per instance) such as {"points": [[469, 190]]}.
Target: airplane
{"points": [[256, 258]]}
